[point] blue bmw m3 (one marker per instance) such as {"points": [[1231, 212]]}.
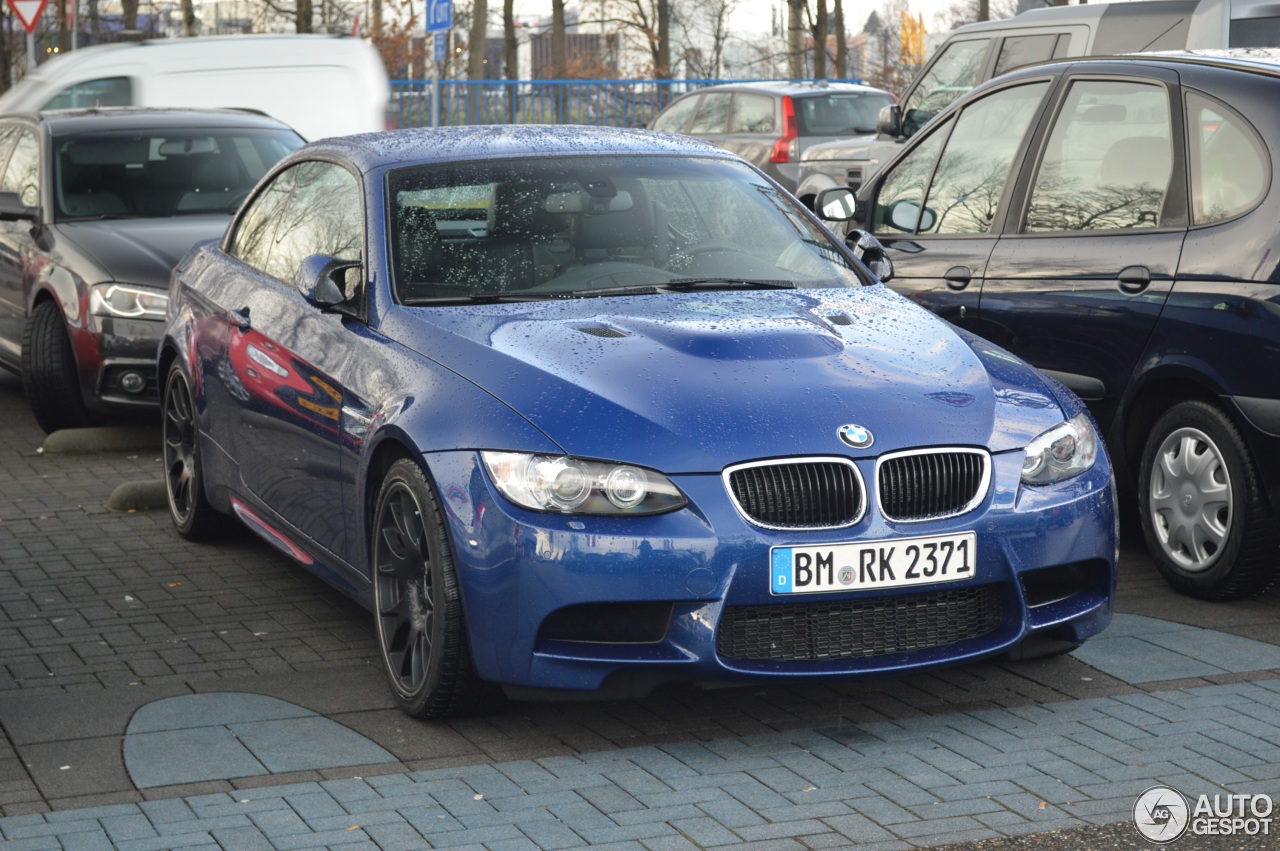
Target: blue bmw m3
{"points": [[589, 410]]}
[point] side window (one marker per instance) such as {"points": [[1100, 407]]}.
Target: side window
{"points": [[954, 72], [676, 116], [321, 216], [110, 91], [902, 194], [22, 174], [753, 114], [8, 138], [252, 239], [1229, 164], [1022, 50], [971, 175], [1108, 160], [713, 113]]}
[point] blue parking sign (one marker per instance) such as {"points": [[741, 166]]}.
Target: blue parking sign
{"points": [[439, 15]]}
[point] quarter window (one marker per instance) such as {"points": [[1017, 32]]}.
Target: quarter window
{"points": [[971, 176], [713, 114], [1108, 160], [1229, 164], [753, 114], [677, 116], [1025, 50]]}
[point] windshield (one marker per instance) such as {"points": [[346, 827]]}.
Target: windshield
{"points": [[839, 114], [589, 226], [162, 173]]}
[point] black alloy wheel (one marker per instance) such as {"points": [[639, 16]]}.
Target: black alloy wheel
{"points": [[192, 515], [1204, 513], [417, 601]]}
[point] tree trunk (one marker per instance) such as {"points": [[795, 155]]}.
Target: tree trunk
{"points": [[795, 39], [376, 12], [189, 27], [663, 69], [130, 9], [820, 41], [476, 39], [559, 55], [511, 58], [984, 10], [303, 24], [842, 41]]}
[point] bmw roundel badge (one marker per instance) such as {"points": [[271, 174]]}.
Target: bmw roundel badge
{"points": [[859, 437]]}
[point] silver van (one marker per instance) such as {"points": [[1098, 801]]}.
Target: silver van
{"points": [[975, 53]]}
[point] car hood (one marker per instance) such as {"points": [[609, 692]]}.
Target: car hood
{"points": [[839, 149], [139, 251], [689, 383]]}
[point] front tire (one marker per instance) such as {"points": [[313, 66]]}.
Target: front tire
{"points": [[193, 516], [1204, 516], [49, 376], [422, 635]]}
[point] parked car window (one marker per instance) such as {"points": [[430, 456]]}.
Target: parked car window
{"points": [[676, 116], [713, 113], [22, 174], [321, 216], [956, 71], [252, 239], [839, 114], [974, 167], [8, 138], [1108, 160], [1229, 163], [1254, 32], [1025, 50], [753, 114], [109, 91], [902, 193]]}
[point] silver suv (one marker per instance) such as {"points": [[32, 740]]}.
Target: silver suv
{"points": [[771, 123]]}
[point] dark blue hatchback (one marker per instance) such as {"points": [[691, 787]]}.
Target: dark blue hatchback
{"points": [[591, 410]]}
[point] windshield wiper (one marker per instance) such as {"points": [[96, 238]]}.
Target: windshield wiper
{"points": [[722, 283], [480, 298], [643, 289]]}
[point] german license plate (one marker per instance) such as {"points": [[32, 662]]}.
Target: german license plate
{"points": [[866, 565]]}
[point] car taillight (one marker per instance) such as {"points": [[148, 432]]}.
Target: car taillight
{"points": [[784, 149]]}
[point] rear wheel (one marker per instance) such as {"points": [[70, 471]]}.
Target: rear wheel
{"points": [[192, 515], [1204, 516], [421, 631], [49, 371]]}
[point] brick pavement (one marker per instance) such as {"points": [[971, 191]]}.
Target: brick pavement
{"points": [[102, 613]]}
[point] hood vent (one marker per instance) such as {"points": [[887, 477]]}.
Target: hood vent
{"points": [[840, 319], [603, 331]]}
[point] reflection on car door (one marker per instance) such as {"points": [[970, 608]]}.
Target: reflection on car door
{"points": [[15, 241], [936, 210], [285, 354], [1078, 289]]}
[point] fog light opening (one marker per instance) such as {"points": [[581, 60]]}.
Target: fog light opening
{"points": [[133, 382]]}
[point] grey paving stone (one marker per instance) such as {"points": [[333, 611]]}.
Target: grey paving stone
{"points": [[242, 839], [859, 829], [1136, 660], [211, 710], [187, 756], [296, 744]]}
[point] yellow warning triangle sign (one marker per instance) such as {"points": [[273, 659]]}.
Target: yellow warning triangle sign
{"points": [[28, 11]]}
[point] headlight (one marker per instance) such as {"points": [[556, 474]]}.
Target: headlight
{"points": [[1063, 451], [567, 485], [127, 302]]}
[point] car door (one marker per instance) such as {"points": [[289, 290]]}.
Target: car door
{"points": [[936, 208], [285, 353], [15, 247], [1078, 282]]}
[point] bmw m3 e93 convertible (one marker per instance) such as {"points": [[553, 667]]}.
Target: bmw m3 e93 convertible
{"points": [[589, 410]]}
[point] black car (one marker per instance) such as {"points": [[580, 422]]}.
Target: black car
{"points": [[1113, 221], [96, 208]]}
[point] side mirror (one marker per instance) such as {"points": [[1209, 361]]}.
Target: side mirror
{"points": [[838, 204], [889, 122], [871, 252], [12, 209], [322, 279], [904, 214]]}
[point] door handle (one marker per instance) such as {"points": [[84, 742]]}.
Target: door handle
{"points": [[958, 277], [239, 318], [1134, 279]]}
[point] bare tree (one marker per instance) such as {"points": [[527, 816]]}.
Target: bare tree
{"points": [[476, 39], [842, 41], [706, 22], [795, 38], [651, 20], [189, 27], [559, 51], [820, 40], [130, 10]]}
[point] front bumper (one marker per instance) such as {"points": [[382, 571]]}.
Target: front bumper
{"points": [[116, 359], [571, 602]]}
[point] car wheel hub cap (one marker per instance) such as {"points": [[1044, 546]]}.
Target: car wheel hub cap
{"points": [[179, 450], [1191, 503]]}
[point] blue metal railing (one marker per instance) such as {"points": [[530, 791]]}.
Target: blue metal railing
{"points": [[613, 103]]}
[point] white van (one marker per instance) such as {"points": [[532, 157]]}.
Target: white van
{"points": [[975, 53], [321, 85]]}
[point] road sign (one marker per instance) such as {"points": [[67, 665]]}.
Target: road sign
{"points": [[439, 14], [442, 45], [28, 12]]}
